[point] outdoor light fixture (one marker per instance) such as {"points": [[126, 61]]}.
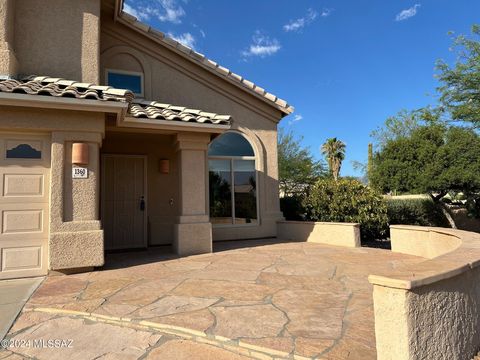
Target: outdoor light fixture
{"points": [[80, 153], [164, 166]]}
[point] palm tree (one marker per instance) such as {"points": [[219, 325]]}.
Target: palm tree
{"points": [[334, 151]]}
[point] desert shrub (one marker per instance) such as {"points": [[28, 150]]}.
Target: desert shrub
{"points": [[292, 208], [422, 212], [348, 200]]}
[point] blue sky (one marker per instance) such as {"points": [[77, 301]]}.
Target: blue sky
{"points": [[345, 65]]}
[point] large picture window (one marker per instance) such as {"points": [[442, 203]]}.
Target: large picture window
{"points": [[233, 181]]}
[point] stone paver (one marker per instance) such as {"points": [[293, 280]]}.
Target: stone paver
{"points": [[270, 301], [188, 350]]}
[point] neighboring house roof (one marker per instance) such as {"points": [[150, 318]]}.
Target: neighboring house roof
{"points": [[57, 87], [203, 61]]}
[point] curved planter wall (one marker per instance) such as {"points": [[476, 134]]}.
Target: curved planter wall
{"points": [[431, 311]]}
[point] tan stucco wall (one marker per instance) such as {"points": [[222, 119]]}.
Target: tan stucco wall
{"points": [[430, 310], [339, 234], [160, 187], [437, 321], [390, 311], [8, 59], [76, 238], [58, 38], [170, 78]]}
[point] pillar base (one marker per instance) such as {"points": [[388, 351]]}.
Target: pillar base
{"points": [[193, 238], [79, 249]]}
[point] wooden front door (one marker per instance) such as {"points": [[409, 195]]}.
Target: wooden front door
{"points": [[124, 210]]}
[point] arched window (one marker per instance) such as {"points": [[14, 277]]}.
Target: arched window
{"points": [[233, 180]]}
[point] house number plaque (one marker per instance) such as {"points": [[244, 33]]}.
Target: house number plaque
{"points": [[79, 173]]}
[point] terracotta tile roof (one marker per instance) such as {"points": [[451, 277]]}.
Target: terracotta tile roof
{"points": [[156, 110], [57, 87], [205, 62]]}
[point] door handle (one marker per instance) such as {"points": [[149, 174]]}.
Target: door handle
{"points": [[142, 203]]}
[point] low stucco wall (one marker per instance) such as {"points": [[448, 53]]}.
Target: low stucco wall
{"points": [[340, 234], [423, 241], [430, 310]]}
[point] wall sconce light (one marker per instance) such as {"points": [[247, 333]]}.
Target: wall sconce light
{"points": [[164, 166], [80, 153]]}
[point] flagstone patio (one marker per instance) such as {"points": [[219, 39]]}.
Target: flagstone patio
{"points": [[262, 300]]}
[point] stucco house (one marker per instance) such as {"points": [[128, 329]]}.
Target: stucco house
{"points": [[186, 155]]}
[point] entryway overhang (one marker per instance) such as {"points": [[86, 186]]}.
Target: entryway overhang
{"points": [[119, 109], [169, 125], [156, 115]]}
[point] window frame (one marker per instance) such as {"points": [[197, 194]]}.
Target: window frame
{"points": [[126, 72], [232, 176]]}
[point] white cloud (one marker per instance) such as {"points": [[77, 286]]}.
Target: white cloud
{"points": [[173, 12], [262, 46], [163, 10], [202, 33], [186, 39], [295, 119], [132, 11], [407, 13], [326, 12], [298, 24]]}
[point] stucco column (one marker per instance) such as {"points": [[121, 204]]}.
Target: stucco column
{"points": [[8, 60], [193, 230], [76, 238]]}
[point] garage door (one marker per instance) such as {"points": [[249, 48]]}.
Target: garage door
{"points": [[24, 204]]}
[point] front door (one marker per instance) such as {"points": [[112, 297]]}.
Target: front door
{"points": [[124, 213]]}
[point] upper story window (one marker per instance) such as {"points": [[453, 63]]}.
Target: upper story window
{"points": [[130, 80], [232, 181]]}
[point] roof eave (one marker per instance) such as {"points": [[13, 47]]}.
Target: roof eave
{"points": [[170, 125], [62, 103]]}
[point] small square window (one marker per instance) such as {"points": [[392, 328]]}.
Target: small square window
{"points": [[132, 81]]}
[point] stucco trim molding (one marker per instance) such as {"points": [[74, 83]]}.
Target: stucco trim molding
{"points": [[116, 50]]}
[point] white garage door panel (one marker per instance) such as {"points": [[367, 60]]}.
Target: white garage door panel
{"points": [[22, 221], [24, 258], [23, 185], [24, 205]]}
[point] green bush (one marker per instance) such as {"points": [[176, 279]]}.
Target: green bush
{"points": [[292, 208], [348, 201], [422, 212]]}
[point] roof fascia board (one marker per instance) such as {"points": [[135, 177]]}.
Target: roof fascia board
{"points": [[61, 103]]}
